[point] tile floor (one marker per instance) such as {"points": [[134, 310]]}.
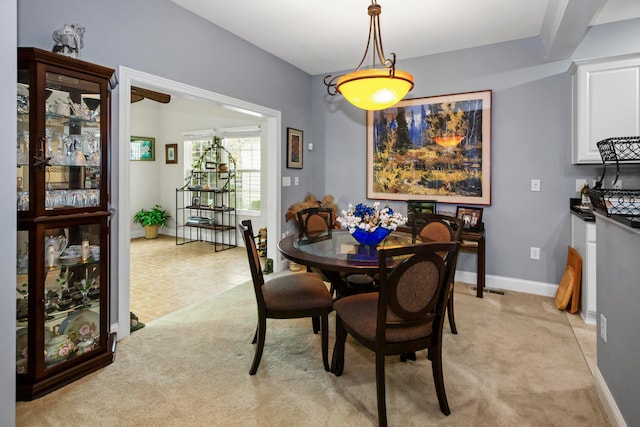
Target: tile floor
{"points": [[166, 277]]}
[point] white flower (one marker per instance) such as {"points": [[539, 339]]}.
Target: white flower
{"points": [[370, 218]]}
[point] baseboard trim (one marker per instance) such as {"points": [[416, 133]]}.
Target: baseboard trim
{"points": [[609, 403], [590, 318], [510, 283]]}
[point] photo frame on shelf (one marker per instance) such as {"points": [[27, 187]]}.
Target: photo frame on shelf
{"points": [[434, 148], [294, 148], [143, 148], [421, 206], [471, 217], [171, 153]]}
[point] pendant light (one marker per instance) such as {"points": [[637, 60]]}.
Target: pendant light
{"points": [[374, 88]]}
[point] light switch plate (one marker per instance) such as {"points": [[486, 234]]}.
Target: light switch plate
{"points": [[535, 253]]}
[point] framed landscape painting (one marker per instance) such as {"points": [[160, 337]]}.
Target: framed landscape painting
{"points": [[294, 148], [143, 148], [436, 148]]}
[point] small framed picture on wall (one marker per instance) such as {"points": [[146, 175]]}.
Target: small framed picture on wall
{"points": [[143, 148], [294, 148], [171, 153]]}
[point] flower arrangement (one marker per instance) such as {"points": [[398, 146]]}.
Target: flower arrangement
{"points": [[370, 225]]}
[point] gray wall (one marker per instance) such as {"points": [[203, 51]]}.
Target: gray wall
{"points": [[531, 126], [8, 215], [618, 294], [163, 39]]}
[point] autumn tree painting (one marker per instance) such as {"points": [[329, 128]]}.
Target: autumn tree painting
{"points": [[431, 148]]}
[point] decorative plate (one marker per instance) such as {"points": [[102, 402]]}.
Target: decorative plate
{"points": [[81, 324]]}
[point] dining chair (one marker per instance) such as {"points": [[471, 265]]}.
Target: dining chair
{"points": [[405, 316], [315, 221], [432, 227], [285, 297]]}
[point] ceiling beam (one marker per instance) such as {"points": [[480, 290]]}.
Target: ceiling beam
{"points": [[138, 94], [564, 26]]}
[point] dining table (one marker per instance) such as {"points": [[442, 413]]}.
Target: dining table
{"points": [[337, 253]]}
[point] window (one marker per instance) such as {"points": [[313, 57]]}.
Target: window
{"points": [[244, 145]]}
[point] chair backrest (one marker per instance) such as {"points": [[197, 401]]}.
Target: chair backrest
{"points": [[436, 228], [416, 291], [254, 260], [315, 221]]}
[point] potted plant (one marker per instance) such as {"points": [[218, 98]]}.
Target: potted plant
{"points": [[151, 220]]}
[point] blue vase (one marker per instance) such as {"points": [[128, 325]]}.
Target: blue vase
{"points": [[373, 238]]}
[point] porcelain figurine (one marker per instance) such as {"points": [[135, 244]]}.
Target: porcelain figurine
{"points": [[68, 40]]}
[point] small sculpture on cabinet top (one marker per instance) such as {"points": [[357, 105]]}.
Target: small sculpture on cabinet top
{"points": [[69, 40]]}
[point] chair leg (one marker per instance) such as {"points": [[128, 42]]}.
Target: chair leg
{"points": [[337, 360], [325, 341], [380, 388], [315, 321], [452, 320], [408, 356], [438, 379], [262, 329]]}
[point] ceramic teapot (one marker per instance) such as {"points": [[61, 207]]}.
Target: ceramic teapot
{"points": [[58, 348]]}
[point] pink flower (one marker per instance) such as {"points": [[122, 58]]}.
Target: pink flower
{"points": [[85, 329]]}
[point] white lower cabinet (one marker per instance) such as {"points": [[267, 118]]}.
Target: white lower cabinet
{"points": [[583, 240]]}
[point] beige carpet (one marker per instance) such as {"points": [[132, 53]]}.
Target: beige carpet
{"points": [[515, 362]]}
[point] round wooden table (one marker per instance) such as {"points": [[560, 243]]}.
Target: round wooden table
{"points": [[337, 252]]}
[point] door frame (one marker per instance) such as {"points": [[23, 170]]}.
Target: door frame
{"points": [[120, 269]]}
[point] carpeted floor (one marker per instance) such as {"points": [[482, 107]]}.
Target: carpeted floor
{"points": [[515, 362]]}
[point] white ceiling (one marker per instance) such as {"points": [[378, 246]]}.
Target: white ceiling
{"points": [[331, 35]]}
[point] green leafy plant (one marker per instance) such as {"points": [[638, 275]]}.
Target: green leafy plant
{"points": [[156, 216]]}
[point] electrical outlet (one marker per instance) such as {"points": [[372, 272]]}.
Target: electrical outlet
{"points": [[603, 328], [535, 185], [579, 184], [617, 184], [535, 253]]}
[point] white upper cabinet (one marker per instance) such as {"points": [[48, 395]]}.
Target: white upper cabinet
{"points": [[606, 103]]}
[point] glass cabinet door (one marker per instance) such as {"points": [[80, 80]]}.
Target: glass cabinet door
{"points": [[69, 148], [72, 284], [22, 301]]}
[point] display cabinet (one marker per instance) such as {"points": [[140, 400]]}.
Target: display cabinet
{"points": [[63, 233], [205, 205]]}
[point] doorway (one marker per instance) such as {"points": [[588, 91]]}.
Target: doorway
{"points": [[120, 270]]}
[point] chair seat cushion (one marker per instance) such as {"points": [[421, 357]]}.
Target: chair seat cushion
{"points": [[359, 312], [296, 292]]}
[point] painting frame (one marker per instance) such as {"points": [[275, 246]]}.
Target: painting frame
{"points": [[142, 148], [470, 216], [432, 148], [294, 148], [171, 153]]}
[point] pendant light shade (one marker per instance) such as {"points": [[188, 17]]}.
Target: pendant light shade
{"points": [[374, 88]]}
